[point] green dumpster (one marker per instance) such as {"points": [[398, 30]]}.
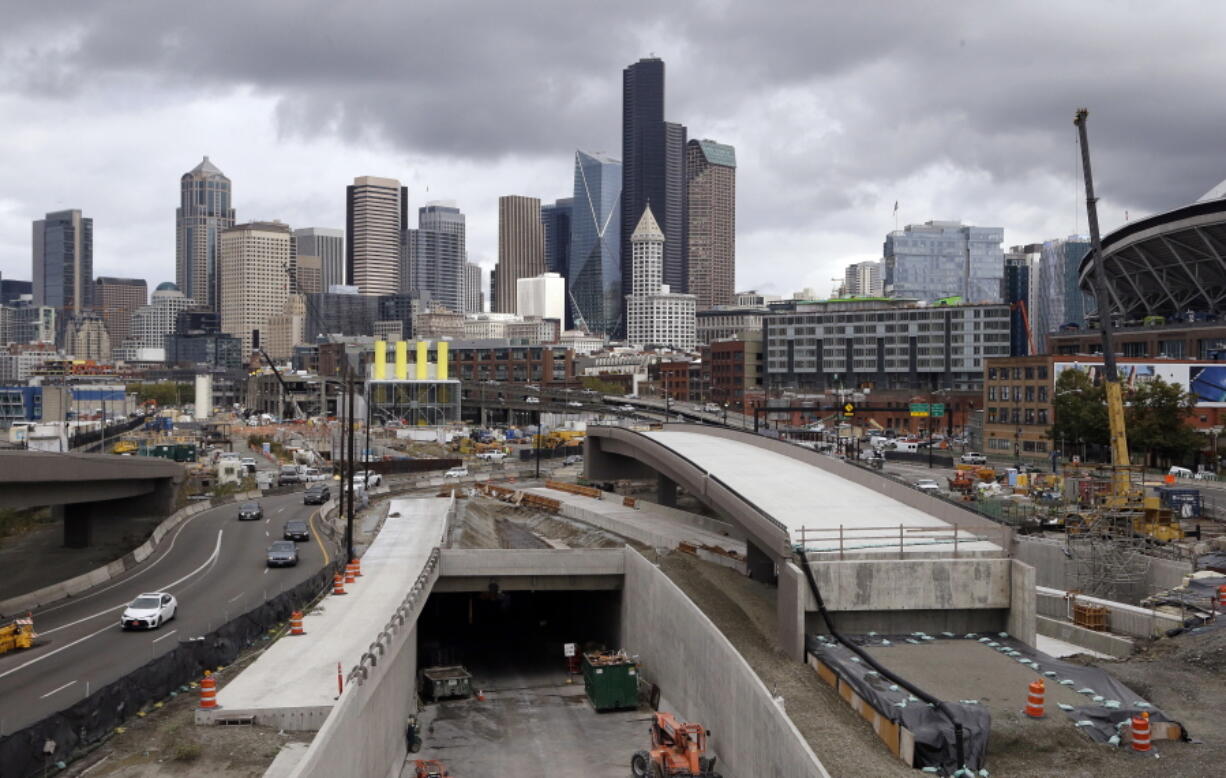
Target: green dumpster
{"points": [[611, 680]]}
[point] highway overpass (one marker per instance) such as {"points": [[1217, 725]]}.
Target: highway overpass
{"points": [[84, 488]]}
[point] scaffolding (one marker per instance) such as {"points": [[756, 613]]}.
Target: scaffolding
{"points": [[1108, 556]]}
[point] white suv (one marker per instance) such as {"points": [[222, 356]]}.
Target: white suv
{"points": [[973, 458], [456, 472]]}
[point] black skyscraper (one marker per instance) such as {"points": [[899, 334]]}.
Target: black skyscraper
{"points": [[653, 170]]}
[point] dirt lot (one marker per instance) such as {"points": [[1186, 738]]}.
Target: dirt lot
{"points": [[166, 741], [1184, 676], [488, 523]]}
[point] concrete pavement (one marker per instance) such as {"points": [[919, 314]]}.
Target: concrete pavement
{"points": [[212, 563]]}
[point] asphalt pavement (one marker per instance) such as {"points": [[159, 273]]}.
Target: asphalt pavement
{"points": [[212, 563]]}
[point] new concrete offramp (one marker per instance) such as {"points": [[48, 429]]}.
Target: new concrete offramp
{"points": [[883, 555]]}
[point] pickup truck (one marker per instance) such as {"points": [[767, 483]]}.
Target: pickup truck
{"points": [[492, 456], [973, 458]]}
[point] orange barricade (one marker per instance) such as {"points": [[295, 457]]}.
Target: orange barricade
{"points": [[208, 691], [1034, 700]]}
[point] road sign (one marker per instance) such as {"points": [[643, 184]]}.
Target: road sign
{"points": [[920, 409], [849, 410], [568, 649], [938, 409]]}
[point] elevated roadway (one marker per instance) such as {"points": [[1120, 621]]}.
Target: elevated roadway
{"points": [[84, 488], [212, 563]]}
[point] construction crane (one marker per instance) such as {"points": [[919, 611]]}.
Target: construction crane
{"points": [[1122, 493]]}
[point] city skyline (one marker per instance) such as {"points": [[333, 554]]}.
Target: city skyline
{"points": [[815, 191]]}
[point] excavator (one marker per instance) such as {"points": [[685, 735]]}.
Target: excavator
{"points": [[678, 749], [1126, 499]]}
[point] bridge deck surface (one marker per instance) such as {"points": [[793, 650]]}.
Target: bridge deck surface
{"points": [[799, 495], [300, 672]]}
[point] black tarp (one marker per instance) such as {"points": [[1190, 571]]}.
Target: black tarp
{"points": [[1108, 701], [97, 716], [935, 744]]}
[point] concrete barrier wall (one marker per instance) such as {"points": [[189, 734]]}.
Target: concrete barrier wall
{"points": [[750, 733], [1102, 642], [458, 562]]}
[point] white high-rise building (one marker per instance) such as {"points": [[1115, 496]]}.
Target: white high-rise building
{"points": [[152, 323], [654, 316], [543, 297], [376, 217], [862, 279], [255, 278]]}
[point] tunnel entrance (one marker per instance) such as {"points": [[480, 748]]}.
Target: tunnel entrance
{"points": [[515, 639]]}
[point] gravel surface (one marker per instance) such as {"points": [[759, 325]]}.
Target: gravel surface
{"points": [[744, 611]]}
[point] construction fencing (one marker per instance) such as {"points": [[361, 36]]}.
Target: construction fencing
{"points": [[94, 718]]}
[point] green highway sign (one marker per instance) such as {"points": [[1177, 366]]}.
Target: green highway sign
{"points": [[919, 409], [938, 409]]}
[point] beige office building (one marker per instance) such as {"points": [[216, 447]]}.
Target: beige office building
{"points": [[308, 271], [521, 248], [255, 278], [116, 299], [376, 215], [711, 194]]}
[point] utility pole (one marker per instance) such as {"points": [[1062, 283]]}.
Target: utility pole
{"points": [[540, 434], [349, 421]]}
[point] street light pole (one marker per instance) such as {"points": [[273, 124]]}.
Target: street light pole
{"points": [[349, 475]]}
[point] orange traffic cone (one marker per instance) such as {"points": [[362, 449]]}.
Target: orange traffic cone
{"points": [[1034, 700], [338, 584], [208, 691], [295, 623], [1140, 733]]}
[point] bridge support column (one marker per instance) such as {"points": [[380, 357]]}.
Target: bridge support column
{"points": [[78, 524], [666, 491]]}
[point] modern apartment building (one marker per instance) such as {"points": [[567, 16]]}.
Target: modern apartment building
{"points": [[376, 215], [882, 345], [255, 278], [655, 316], [543, 297], [205, 210], [435, 255], [329, 246], [863, 279], [152, 323], [1059, 301], [729, 322], [63, 262], [474, 292], [521, 247], [1017, 291], [653, 170], [594, 276], [711, 232], [939, 259], [116, 299]]}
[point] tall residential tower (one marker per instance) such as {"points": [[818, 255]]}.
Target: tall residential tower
{"points": [[711, 233], [205, 209]]}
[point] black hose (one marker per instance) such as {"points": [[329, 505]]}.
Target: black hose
{"points": [[881, 669]]}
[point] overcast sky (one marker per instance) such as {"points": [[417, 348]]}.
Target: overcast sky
{"points": [[956, 110]]}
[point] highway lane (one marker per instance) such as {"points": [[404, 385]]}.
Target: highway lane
{"points": [[212, 563]]}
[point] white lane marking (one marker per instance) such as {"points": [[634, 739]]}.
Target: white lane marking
{"points": [[207, 562], [150, 566], [235, 597], [265, 571], [60, 689], [266, 534], [168, 634]]}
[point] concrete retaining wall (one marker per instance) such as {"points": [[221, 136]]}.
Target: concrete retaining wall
{"points": [[1054, 568], [913, 584], [100, 575], [1102, 642], [750, 733], [1122, 618]]}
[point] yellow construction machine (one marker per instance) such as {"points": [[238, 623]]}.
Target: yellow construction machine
{"points": [[18, 634], [1125, 503]]}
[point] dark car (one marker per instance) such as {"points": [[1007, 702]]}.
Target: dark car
{"points": [[250, 511], [296, 529], [316, 494], [282, 553]]}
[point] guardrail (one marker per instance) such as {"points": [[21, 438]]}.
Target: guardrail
{"points": [[843, 539]]}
